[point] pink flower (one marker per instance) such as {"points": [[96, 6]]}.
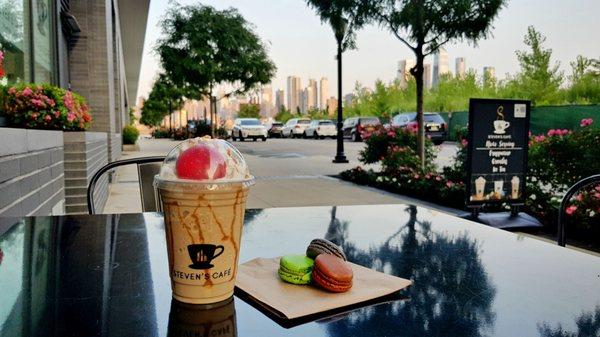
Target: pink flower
{"points": [[571, 209], [564, 132], [48, 118], [539, 138], [1, 56], [586, 122], [416, 176], [438, 178], [70, 117], [449, 184], [464, 142], [34, 115], [551, 132], [579, 197], [56, 113], [27, 91], [391, 133], [12, 90]]}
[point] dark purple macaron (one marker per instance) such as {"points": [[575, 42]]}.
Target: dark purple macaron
{"points": [[322, 246]]}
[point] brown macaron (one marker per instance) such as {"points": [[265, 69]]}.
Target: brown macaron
{"points": [[332, 273]]}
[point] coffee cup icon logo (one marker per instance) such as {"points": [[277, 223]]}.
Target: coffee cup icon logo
{"points": [[202, 254], [500, 125]]}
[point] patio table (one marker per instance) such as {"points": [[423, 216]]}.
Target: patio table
{"points": [[107, 275]]}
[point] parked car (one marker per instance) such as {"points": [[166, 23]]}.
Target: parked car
{"points": [[320, 128], [248, 128], [294, 128], [435, 126], [354, 126], [275, 129]]}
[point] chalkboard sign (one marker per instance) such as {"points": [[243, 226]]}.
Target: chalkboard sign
{"points": [[497, 148]]}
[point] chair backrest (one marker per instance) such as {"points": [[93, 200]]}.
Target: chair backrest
{"points": [[146, 173], [147, 168], [583, 183]]}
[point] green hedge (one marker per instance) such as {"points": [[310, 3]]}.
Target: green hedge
{"points": [[543, 118]]}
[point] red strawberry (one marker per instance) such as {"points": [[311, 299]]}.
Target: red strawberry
{"points": [[201, 162]]}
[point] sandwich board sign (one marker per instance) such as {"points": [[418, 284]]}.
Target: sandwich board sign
{"points": [[497, 149]]}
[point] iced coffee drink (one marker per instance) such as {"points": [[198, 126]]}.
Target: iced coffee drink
{"points": [[479, 188], [515, 183], [203, 185]]}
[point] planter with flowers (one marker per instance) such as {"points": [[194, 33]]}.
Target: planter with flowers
{"points": [[44, 106], [556, 161]]}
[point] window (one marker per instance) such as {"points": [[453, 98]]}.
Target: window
{"points": [[325, 123], [43, 59], [304, 121], [433, 118], [14, 39], [27, 40], [250, 122]]}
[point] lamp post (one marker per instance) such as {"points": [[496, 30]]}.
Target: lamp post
{"points": [[339, 28]]}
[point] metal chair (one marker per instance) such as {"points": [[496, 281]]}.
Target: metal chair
{"points": [[583, 183], [147, 168]]}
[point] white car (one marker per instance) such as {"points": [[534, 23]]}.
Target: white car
{"points": [[294, 128], [248, 128], [320, 129]]}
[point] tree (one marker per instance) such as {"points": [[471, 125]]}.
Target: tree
{"points": [[538, 80], [585, 81], [249, 111], [426, 25], [164, 97], [283, 115], [345, 17], [203, 48]]}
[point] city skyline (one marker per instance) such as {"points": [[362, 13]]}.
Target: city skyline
{"points": [[307, 46]]}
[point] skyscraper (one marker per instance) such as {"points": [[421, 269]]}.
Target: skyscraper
{"points": [[440, 65], [266, 101], [404, 75], [279, 100], [460, 67], [348, 99], [309, 97], [427, 76], [314, 94], [294, 88], [323, 92], [489, 73], [331, 106]]}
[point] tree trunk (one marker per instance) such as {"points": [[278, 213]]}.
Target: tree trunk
{"points": [[213, 115], [417, 72], [340, 156]]}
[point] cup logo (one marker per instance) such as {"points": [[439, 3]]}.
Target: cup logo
{"points": [[202, 254], [500, 125]]}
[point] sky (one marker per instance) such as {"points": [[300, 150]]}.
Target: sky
{"points": [[301, 45]]}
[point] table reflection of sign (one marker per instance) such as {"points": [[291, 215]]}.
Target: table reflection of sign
{"points": [[497, 150]]}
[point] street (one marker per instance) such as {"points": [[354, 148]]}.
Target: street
{"points": [[289, 172]]}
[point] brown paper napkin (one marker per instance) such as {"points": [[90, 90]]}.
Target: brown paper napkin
{"points": [[258, 278]]}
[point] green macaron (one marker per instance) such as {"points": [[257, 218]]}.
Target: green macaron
{"points": [[295, 269]]}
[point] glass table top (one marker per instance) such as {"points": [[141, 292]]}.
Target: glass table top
{"points": [[107, 275]]}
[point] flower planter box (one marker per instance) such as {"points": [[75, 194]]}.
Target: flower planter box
{"points": [[85, 153]]}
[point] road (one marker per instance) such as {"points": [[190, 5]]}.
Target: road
{"points": [[289, 172], [310, 156]]}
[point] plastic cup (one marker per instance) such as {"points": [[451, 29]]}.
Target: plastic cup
{"points": [[203, 224]]}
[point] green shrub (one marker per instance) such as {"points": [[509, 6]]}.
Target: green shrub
{"points": [[396, 148], [130, 134], [161, 133]]}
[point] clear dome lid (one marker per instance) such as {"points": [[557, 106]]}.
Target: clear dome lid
{"points": [[204, 160]]}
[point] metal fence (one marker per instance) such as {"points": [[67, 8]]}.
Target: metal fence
{"points": [[543, 118]]}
